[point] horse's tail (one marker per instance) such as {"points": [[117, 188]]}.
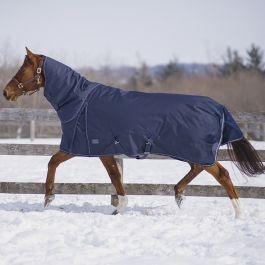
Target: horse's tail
{"points": [[245, 157]]}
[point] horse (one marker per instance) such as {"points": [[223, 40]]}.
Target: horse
{"points": [[207, 125]]}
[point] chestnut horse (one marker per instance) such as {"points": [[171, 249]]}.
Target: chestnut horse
{"points": [[30, 78]]}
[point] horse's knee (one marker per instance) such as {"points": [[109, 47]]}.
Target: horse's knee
{"points": [[54, 161]]}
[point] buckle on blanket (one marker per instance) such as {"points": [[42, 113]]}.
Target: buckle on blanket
{"points": [[147, 150], [116, 140], [147, 147]]}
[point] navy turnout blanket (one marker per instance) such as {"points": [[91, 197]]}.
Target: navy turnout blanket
{"points": [[99, 120]]}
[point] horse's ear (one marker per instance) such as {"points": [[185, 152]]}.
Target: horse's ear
{"points": [[30, 54]]}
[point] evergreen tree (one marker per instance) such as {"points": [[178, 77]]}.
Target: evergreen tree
{"points": [[255, 59], [233, 63], [144, 76], [171, 69], [140, 78]]}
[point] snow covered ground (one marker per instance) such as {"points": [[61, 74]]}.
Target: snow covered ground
{"points": [[79, 229]]}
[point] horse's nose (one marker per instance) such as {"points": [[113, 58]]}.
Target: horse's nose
{"points": [[5, 94]]}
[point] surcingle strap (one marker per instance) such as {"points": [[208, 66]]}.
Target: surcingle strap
{"points": [[147, 150]]}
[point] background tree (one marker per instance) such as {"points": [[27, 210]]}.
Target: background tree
{"points": [[233, 63], [141, 78], [255, 59], [144, 76], [171, 69]]}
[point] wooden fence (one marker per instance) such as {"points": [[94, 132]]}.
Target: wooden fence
{"points": [[104, 188], [45, 123]]}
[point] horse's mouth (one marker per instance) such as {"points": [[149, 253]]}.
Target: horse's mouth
{"points": [[12, 98]]}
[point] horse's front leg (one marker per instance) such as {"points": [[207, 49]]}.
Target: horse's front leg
{"points": [[114, 173], [54, 162]]}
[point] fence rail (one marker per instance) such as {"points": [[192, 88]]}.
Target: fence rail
{"points": [[48, 150], [24, 114], [131, 189], [21, 114]]}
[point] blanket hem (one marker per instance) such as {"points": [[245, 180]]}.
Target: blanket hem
{"points": [[116, 154]]}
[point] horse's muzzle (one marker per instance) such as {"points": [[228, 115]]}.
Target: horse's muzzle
{"points": [[5, 94]]}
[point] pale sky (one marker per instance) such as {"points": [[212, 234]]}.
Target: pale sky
{"points": [[124, 32]]}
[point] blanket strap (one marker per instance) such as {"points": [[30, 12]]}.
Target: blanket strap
{"points": [[147, 150]]}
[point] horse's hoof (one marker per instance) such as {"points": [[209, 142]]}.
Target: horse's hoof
{"points": [[123, 201], [48, 199], [179, 200]]}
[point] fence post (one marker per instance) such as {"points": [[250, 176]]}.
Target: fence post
{"points": [[114, 197], [19, 131], [263, 132], [32, 130], [245, 130]]}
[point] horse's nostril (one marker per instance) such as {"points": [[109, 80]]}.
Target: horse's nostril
{"points": [[5, 93]]}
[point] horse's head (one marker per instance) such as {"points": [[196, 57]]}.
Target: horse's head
{"points": [[28, 79]]}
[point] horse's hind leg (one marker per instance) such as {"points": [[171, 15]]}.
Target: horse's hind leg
{"points": [[54, 162], [222, 176], [182, 184], [112, 168]]}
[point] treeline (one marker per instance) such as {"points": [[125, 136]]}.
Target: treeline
{"points": [[238, 81]]}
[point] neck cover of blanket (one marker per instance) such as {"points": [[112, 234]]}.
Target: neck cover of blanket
{"points": [[99, 120]]}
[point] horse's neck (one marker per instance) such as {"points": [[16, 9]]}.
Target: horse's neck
{"points": [[62, 84]]}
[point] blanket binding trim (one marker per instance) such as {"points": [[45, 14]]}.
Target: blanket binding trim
{"points": [[221, 138], [82, 105], [87, 139]]}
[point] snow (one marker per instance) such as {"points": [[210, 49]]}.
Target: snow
{"points": [[78, 229]]}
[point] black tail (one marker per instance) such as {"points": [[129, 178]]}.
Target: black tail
{"points": [[245, 157]]}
